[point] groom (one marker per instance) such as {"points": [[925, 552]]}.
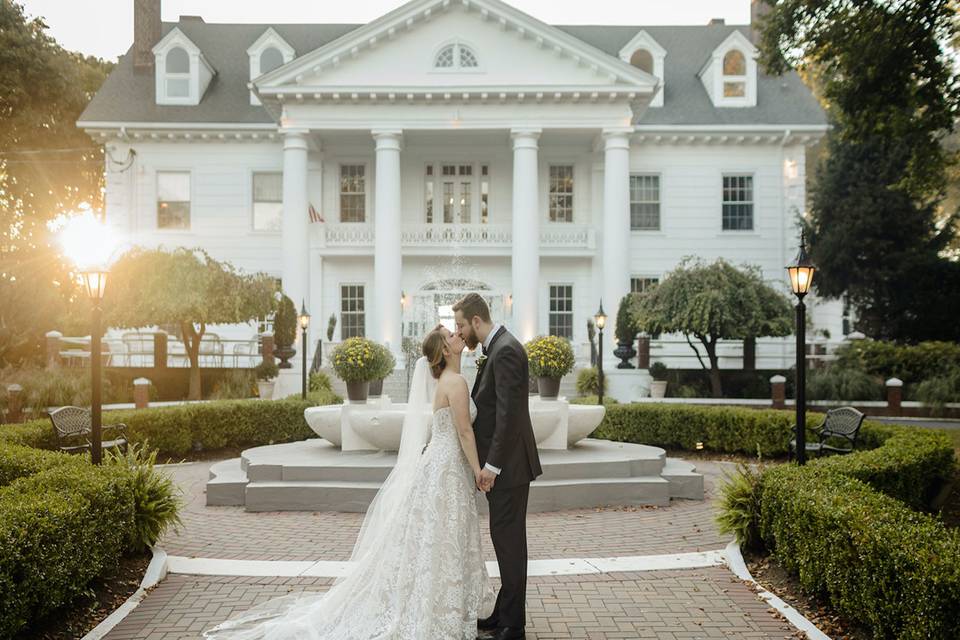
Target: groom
{"points": [[508, 453]]}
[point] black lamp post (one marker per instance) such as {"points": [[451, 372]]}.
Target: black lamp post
{"points": [[600, 320], [304, 319], [801, 275], [95, 282]]}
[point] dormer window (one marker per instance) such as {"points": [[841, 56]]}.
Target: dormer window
{"points": [[182, 72], [734, 74], [646, 54], [268, 53], [456, 56], [730, 74]]}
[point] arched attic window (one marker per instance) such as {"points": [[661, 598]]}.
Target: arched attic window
{"points": [[734, 74], [643, 60], [177, 71], [456, 56], [270, 59]]}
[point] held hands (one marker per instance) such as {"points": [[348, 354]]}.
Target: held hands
{"points": [[485, 480]]}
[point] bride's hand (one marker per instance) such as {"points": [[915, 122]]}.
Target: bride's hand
{"points": [[476, 479]]}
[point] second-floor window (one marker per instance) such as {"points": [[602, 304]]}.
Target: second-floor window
{"points": [[353, 193], [560, 197], [640, 284], [561, 310], [267, 201], [173, 199], [456, 193], [645, 202], [352, 315], [737, 203], [178, 73]]}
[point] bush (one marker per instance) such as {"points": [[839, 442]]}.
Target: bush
{"points": [[876, 560], [266, 370], [588, 382], [235, 385], [383, 362], [911, 363], [550, 356], [937, 392], [607, 400], [319, 381], [285, 323], [658, 371], [739, 509], [177, 430], [356, 360], [836, 383]]}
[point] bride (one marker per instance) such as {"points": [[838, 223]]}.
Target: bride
{"points": [[416, 568]]}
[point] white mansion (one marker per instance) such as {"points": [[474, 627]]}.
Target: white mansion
{"points": [[381, 169]]}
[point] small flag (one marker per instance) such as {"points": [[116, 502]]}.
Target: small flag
{"points": [[314, 215]]}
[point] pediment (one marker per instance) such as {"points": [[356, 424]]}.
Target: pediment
{"points": [[511, 48]]}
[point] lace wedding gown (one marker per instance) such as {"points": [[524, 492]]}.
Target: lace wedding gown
{"points": [[425, 581]]}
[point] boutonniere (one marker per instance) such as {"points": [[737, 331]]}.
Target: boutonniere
{"points": [[481, 360]]}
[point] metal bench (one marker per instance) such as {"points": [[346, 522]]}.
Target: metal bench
{"points": [[73, 427], [840, 425]]}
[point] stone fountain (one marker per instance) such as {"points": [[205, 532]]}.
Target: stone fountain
{"points": [[342, 469]]}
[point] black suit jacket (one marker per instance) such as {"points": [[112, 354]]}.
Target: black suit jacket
{"points": [[503, 429]]}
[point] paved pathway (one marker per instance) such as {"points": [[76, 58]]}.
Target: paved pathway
{"points": [[673, 605]]}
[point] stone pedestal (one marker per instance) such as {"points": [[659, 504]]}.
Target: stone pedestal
{"points": [[627, 385]]}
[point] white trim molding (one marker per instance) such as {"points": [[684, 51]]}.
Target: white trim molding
{"points": [[198, 76], [711, 74], [645, 41]]}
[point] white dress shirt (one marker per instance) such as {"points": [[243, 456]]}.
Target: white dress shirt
{"points": [[486, 345]]}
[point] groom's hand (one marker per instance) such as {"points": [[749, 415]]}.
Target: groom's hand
{"points": [[487, 478]]}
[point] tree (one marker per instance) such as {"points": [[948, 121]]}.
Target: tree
{"points": [[47, 166], [713, 302], [877, 229], [187, 288]]}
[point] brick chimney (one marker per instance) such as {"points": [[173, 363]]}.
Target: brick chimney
{"points": [[716, 21], [146, 33], [758, 12]]}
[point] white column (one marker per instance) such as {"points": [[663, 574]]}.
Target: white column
{"points": [[616, 227], [386, 257], [526, 234], [294, 238]]}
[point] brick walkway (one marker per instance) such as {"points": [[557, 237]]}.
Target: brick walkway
{"points": [[671, 605]]}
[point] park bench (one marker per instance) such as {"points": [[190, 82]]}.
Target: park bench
{"points": [[73, 427], [840, 426]]}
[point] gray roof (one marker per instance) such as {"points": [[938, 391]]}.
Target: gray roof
{"points": [[129, 97]]}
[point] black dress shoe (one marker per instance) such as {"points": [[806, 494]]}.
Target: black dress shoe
{"points": [[487, 624], [507, 633]]}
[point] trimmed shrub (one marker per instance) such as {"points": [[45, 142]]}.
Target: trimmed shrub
{"points": [[876, 560], [176, 430]]}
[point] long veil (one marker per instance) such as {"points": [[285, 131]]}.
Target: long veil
{"points": [[295, 616]]}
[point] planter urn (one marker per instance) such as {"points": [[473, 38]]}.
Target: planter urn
{"points": [[265, 389], [658, 389], [285, 353], [358, 391], [625, 352], [549, 388]]}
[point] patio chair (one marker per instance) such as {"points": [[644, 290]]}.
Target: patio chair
{"points": [[840, 425], [246, 351], [211, 350], [73, 427]]}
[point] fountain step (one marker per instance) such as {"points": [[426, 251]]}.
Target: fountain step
{"points": [[545, 495], [227, 485], [685, 482]]}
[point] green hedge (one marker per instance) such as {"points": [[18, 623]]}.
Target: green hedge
{"points": [[176, 430], [720, 429], [59, 528], [877, 561]]}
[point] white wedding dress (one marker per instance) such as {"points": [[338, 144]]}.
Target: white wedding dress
{"points": [[417, 573]]}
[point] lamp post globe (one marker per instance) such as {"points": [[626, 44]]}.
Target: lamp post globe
{"points": [[304, 320]]}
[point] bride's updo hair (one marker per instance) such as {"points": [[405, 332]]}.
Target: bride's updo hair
{"points": [[432, 348]]}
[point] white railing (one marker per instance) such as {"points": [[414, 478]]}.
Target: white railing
{"points": [[555, 236]]}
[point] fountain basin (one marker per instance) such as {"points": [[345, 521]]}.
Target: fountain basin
{"points": [[378, 424]]}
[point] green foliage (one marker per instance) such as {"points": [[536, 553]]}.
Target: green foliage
{"points": [[156, 498], [892, 91], [739, 509], [836, 383], [912, 363], [937, 392], [266, 370], [383, 361], [874, 559], [285, 323], [607, 400], [627, 329], [550, 356], [710, 303], [356, 360], [48, 166], [331, 325], [658, 371], [319, 381], [588, 382], [235, 385], [57, 387], [174, 431]]}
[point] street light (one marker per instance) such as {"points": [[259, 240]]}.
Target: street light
{"points": [[801, 276], [600, 319], [304, 319], [91, 246]]}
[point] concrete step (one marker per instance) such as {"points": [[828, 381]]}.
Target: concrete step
{"points": [[684, 480], [227, 484]]}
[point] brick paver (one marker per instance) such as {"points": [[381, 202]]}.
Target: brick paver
{"points": [[232, 533], [668, 605]]}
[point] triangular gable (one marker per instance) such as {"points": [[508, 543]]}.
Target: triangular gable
{"points": [[416, 13]]}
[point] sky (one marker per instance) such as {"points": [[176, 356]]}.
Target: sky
{"points": [[104, 28]]}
